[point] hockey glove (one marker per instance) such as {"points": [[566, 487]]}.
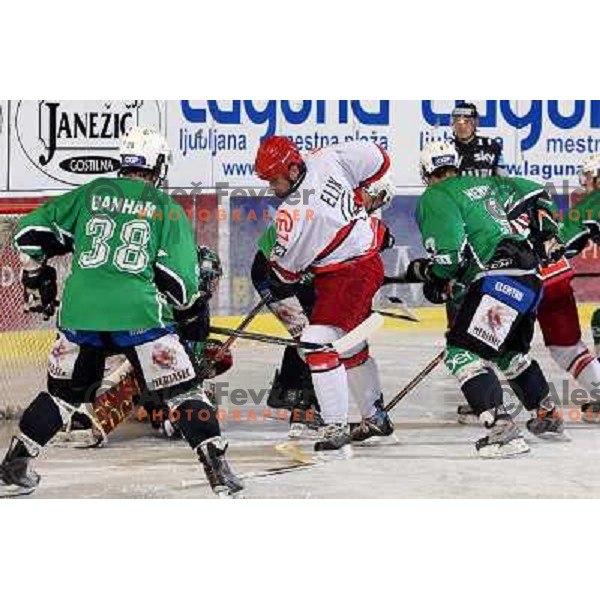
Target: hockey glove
{"points": [[388, 240], [279, 289], [380, 193], [419, 271], [594, 229], [41, 290], [437, 291], [193, 322]]}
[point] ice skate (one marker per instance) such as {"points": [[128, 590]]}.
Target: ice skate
{"points": [[376, 429], [590, 412], [503, 440], [548, 425], [466, 416], [306, 422], [17, 477], [336, 442], [224, 483]]}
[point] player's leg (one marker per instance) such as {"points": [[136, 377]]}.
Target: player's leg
{"points": [[344, 300], [365, 388], [492, 320], [530, 386], [45, 417], [169, 372], [90, 425], [331, 387], [483, 392], [559, 322], [292, 387]]}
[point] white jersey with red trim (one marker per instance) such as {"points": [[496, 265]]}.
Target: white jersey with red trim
{"points": [[320, 227]]}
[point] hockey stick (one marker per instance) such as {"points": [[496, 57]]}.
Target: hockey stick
{"points": [[400, 279], [391, 315], [415, 382], [394, 279], [405, 309], [242, 326], [344, 344]]}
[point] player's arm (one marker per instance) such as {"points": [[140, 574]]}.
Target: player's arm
{"points": [[530, 207], [44, 233], [176, 274], [582, 225], [443, 234], [444, 238], [48, 230], [368, 168]]}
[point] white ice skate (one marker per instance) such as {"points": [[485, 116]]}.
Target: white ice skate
{"points": [[504, 440]]}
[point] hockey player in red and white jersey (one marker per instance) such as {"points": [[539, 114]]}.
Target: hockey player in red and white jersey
{"points": [[321, 229]]}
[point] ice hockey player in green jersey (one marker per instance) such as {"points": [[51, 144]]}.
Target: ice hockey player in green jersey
{"points": [[491, 273], [134, 279]]}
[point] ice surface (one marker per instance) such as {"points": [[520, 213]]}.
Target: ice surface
{"points": [[434, 456]]}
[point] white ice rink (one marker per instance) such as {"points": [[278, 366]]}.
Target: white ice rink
{"points": [[434, 456]]}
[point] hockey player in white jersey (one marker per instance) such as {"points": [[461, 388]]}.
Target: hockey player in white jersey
{"points": [[323, 230]]}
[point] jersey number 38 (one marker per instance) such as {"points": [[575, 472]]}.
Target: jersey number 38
{"points": [[131, 256]]}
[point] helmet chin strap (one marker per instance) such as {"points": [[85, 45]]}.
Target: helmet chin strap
{"points": [[294, 185]]}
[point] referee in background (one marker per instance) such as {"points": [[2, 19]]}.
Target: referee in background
{"points": [[481, 156]]}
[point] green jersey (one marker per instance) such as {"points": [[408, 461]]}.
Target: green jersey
{"points": [[577, 221], [133, 249], [463, 220]]}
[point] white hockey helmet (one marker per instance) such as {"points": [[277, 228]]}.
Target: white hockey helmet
{"points": [[436, 155], [145, 148], [590, 165]]}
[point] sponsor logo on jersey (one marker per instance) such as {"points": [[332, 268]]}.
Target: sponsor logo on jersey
{"points": [[75, 139], [492, 322], [508, 290], [485, 157], [164, 356], [279, 250], [478, 192], [171, 379], [442, 259]]}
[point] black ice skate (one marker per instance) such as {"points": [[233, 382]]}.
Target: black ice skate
{"points": [[374, 428], [548, 424], [17, 477], [503, 440], [590, 412], [336, 441], [220, 476]]}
